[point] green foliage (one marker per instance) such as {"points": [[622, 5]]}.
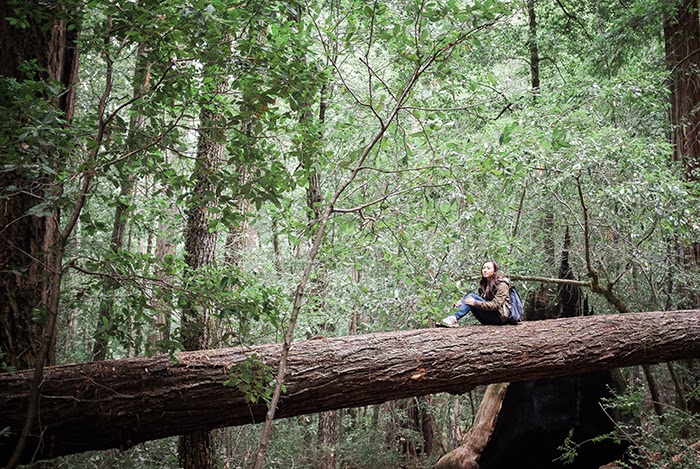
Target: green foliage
{"points": [[254, 378], [3, 364], [32, 134], [149, 455], [654, 441]]}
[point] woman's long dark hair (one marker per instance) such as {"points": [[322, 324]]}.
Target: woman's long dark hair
{"points": [[489, 287]]}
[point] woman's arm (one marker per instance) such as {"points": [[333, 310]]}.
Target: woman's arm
{"points": [[502, 295]]}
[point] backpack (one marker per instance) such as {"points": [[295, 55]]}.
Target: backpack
{"points": [[516, 306]]}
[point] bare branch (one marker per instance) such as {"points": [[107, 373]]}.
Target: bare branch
{"points": [[596, 287], [384, 198]]}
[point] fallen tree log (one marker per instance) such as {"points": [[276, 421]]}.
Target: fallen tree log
{"points": [[120, 403]]}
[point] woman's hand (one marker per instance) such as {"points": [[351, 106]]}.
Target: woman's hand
{"points": [[465, 301]]}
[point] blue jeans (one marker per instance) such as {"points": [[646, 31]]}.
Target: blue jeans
{"points": [[483, 316]]}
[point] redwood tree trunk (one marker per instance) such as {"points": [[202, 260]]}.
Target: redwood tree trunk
{"points": [[28, 243], [682, 41], [327, 439], [120, 403], [682, 37]]}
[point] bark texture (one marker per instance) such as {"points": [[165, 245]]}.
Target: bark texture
{"points": [[195, 448], [534, 53], [28, 242], [121, 403], [682, 38]]}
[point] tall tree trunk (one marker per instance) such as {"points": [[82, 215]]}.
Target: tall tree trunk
{"points": [[427, 424], [28, 243], [681, 399], [276, 247], [327, 439], [310, 141], [654, 392], [534, 53], [162, 299], [237, 240], [32, 246], [195, 449], [682, 39]]}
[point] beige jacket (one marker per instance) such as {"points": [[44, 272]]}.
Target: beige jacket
{"points": [[499, 302]]}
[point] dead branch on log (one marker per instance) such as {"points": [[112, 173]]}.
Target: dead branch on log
{"points": [[467, 454], [595, 286]]}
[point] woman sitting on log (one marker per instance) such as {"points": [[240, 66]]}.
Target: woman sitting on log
{"points": [[491, 305]]}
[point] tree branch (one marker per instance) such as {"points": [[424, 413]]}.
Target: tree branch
{"points": [[595, 286]]}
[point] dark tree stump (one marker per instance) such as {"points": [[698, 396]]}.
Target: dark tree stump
{"points": [[529, 421]]}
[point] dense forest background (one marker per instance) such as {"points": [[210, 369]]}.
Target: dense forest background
{"points": [[184, 175]]}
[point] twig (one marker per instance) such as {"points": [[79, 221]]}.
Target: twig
{"points": [[384, 198], [596, 287]]}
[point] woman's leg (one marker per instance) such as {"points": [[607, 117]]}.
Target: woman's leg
{"points": [[464, 309], [488, 318]]}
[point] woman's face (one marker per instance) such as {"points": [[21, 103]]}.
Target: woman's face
{"points": [[487, 270]]}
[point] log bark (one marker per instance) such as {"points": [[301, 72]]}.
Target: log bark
{"points": [[120, 403]]}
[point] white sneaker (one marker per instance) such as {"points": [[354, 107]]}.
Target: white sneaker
{"points": [[449, 321]]}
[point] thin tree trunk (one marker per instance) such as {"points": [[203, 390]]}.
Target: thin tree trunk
{"points": [[110, 285], [309, 142], [162, 302], [534, 53], [276, 248], [140, 85], [456, 433], [195, 449], [681, 400], [654, 392], [427, 424]]}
